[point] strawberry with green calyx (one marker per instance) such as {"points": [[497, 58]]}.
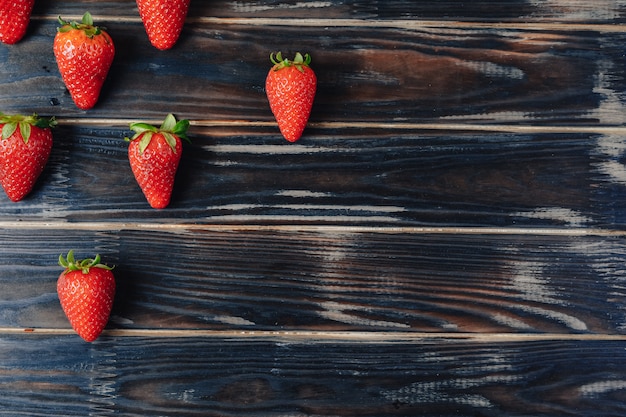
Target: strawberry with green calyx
{"points": [[14, 19], [290, 87], [163, 20], [86, 289], [154, 154], [25, 145], [84, 54]]}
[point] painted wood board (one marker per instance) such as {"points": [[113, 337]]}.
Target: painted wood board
{"points": [[447, 238], [216, 74], [400, 178], [536, 11], [195, 376], [332, 280]]}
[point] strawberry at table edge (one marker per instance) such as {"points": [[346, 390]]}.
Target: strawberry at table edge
{"points": [[163, 20], [84, 54], [154, 155], [290, 87], [86, 290], [14, 20], [25, 146]]}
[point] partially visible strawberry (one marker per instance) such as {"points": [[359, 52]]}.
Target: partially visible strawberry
{"points": [[290, 87], [154, 155], [25, 146], [14, 19], [86, 290], [84, 54], [163, 20]]}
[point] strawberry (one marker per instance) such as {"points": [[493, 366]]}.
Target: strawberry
{"points": [[290, 87], [154, 155], [84, 54], [25, 146], [86, 290], [14, 19], [163, 20]]}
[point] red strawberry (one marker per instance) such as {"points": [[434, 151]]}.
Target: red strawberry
{"points": [[84, 54], [86, 290], [154, 155], [25, 146], [14, 19], [163, 20], [290, 87]]}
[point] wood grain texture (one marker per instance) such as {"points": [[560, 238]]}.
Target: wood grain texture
{"points": [[217, 72], [446, 239], [196, 377], [341, 177], [298, 280], [572, 11]]}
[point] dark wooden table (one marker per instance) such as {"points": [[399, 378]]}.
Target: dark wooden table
{"points": [[447, 238]]}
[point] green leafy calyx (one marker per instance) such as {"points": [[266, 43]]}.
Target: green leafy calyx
{"points": [[11, 123], [70, 264], [86, 25], [170, 129], [298, 61]]}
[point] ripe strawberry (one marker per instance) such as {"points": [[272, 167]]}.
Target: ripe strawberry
{"points": [[25, 146], [154, 155], [163, 20], [84, 54], [290, 87], [86, 289], [14, 19]]}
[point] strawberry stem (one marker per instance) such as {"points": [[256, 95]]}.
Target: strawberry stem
{"points": [[70, 264], [86, 25], [169, 128], [13, 122], [298, 61]]}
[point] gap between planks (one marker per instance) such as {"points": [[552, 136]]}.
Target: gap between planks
{"points": [[302, 336], [504, 128], [412, 24], [190, 227]]}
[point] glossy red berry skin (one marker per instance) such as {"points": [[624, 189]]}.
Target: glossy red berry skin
{"points": [[84, 54], [155, 168], [86, 291], [25, 146], [163, 20], [14, 19], [154, 155], [290, 87]]}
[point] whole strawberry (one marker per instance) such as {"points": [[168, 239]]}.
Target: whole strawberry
{"points": [[14, 19], [154, 155], [290, 87], [25, 146], [84, 54], [163, 20], [86, 290]]}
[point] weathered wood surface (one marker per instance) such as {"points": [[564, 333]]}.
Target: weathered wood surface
{"points": [[446, 239], [217, 377], [216, 74], [443, 11], [350, 280], [341, 177]]}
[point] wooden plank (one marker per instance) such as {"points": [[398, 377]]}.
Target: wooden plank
{"points": [[414, 74], [341, 177], [447, 238], [326, 281], [138, 376], [562, 11]]}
